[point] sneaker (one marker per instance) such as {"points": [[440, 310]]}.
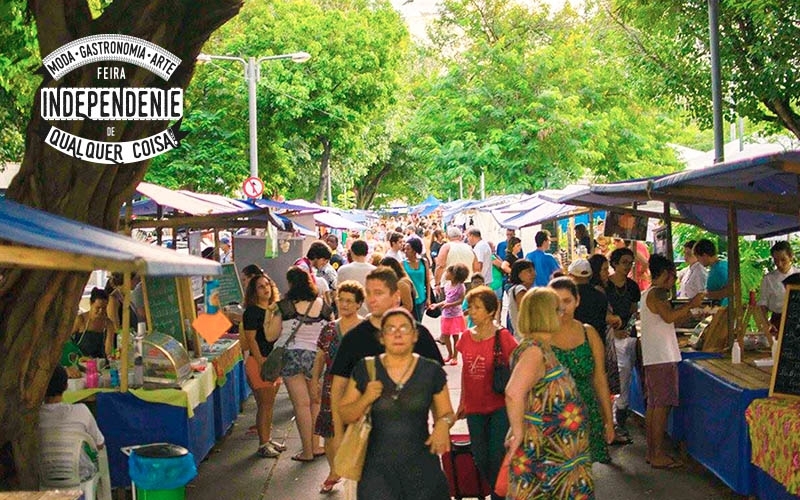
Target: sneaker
{"points": [[277, 445], [267, 451]]}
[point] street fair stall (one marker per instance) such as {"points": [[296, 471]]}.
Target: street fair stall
{"points": [[759, 197], [174, 396]]}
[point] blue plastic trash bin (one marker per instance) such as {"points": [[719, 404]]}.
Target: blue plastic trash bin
{"points": [[161, 471]]}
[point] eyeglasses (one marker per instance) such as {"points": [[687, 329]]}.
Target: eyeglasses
{"points": [[402, 330]]}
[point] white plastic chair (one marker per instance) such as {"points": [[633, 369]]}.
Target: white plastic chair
{"points": [[59, 461]]}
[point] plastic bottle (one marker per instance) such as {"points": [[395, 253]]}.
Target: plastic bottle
{"points": [[736, 353], [138, 372], [92, 377]]}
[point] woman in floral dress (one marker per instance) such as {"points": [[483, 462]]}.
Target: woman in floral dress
{"points": [[549, 437], [349, 297], [579, 348]]}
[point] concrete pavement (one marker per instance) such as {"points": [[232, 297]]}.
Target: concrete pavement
{"points": [[233, 471]]}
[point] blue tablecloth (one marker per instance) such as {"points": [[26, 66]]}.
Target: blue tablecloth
{"points": [[126, 420], [636, 401], [767, 488], [226, 402]]}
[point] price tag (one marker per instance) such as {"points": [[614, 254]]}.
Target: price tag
{"points": [[253, 187]]}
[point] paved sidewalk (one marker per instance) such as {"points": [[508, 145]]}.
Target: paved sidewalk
{"points": [[232, 470]]}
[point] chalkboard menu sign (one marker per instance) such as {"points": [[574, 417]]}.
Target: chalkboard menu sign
{"points": [[162, 305], [786, 370], [230, 288]]}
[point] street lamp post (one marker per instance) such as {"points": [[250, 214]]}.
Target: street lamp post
{"points": [[252, 73]]}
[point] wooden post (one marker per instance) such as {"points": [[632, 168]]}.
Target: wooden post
{"points": [[159, 229], [125, 329], [735, 330], [670, 250], [591, 232]]}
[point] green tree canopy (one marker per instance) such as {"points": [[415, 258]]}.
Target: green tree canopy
{"points": [[759, 43]]}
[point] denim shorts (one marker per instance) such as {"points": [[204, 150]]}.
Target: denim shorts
{"points": [[298, 361]]}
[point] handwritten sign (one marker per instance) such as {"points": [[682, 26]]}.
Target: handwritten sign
{"points": [[230, 288], [786, 370], [162, 306]]}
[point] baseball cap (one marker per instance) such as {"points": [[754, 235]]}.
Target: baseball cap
{"points": [[580, 268], [225, 240]]}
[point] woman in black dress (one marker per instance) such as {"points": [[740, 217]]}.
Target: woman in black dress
{"points": [[93, 331], [402, 461]]}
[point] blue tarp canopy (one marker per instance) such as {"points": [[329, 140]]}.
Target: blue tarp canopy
{"points": [[55, 242], [762, 190]]}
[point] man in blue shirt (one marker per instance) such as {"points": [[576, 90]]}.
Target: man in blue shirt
{"points": [[544, 263], [503, 245], [717, 281]]}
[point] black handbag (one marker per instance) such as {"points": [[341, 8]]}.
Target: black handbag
{"points": [[271, 369], [501, 372]]}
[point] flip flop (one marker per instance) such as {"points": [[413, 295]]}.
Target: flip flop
{"points": [[319, 454], [674, 464], [328, 485], [299, 458]]}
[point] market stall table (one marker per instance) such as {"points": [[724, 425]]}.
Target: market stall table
{"points": [[774, 425], [714, 395], [141, 416], [226, 357]]}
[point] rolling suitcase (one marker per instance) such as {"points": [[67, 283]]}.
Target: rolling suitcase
{"points": [[463, 477]]}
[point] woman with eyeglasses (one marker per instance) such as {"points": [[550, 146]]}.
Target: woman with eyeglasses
{"points": [[260, 297], [349, 297], [402, 461], [548, 440]]}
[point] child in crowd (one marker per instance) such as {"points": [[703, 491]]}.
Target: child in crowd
{"points": [[475, 280], [452, 319]]}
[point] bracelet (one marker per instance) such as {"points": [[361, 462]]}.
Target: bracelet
{"points": [[448, 419]]}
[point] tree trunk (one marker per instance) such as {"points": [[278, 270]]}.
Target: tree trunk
{"points": [[37, 308], [786, 115], [324, 170], [365, 195]]}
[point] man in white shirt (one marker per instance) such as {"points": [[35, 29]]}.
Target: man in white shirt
{"points": [[56, 414], [395, 247], [454, 251], [225, 251], [694, 276], [484, 254], [358, 269], [661, 355], [772, 288]]}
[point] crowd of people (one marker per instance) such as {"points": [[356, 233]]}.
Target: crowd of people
{"points": [[567, 337], [350, 323]]}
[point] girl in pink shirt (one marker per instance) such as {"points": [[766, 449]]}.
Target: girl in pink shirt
{"points": [[452, 320]]}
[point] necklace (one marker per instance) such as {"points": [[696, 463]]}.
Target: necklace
{"points": [[398, 386]]}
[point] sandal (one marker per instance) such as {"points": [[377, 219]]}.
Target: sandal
{"points": [[328, 485], [672, 464], [267, 451], [299, 458], [278, 446]]}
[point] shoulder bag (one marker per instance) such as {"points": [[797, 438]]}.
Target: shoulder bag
{"points": [[349, 459], [271, 369], [501, 370]]}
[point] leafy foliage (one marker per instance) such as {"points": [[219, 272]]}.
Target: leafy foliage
{"points": [[535, 101], [19, 58], [759, 43], [335, 100]]}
